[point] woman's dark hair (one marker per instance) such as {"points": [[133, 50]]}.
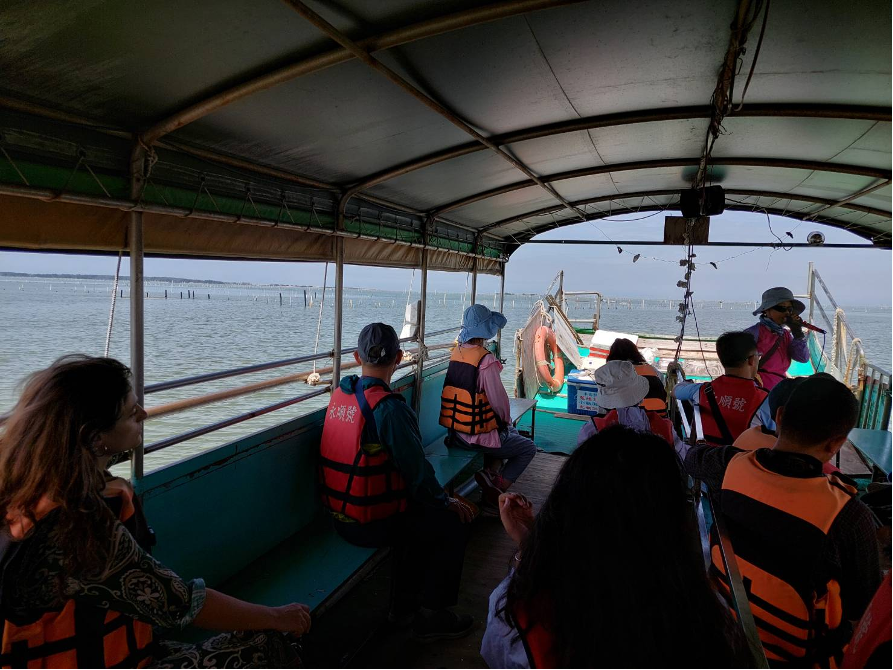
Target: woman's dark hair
{"points": [[46, 452], [625, 350], [614, 565]]}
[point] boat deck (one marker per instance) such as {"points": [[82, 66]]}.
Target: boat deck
{"points": [[353, 633]]}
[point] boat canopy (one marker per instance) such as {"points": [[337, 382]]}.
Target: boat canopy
{"points": [[263, 129]]}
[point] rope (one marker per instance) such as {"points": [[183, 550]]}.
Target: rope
{"points": [[108, 334], [322, 302]]}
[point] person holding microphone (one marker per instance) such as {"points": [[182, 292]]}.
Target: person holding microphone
{"points": [[779, 335]]}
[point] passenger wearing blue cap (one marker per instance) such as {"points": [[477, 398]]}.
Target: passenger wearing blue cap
{"points": [[381, 491], [474, 407]]}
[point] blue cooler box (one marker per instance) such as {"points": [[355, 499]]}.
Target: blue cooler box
{"points": [[582, 394]]}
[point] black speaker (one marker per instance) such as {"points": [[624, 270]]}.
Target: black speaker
{"points": [[714, 202]]}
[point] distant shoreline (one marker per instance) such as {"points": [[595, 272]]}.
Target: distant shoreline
{"points": [[183, 280]]}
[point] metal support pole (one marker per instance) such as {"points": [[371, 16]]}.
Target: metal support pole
{"points": [[501, 309], [137, 324], [474, 271], [339, 311], [423, 306], [810, 288]]}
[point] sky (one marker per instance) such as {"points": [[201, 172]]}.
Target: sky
{"points": [[855, 276]]}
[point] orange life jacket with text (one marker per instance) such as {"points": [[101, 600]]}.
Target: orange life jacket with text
{"points": [[656, 400], [778, 527], [464, 408], [358, 480], [78, 636], [736, 400], [659, 426]]}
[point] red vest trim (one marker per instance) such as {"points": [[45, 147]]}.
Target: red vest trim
{"points": [[738, 400], [872, 632], [659, 426], [538, 642], [358, 479]]}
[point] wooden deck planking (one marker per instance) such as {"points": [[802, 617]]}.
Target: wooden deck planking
{"points": [[358, 619]]}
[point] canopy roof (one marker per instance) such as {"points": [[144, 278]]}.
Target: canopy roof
{"points": [[265, 128]]}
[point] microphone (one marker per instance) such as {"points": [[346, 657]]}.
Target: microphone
{"points": [[809, 326]]}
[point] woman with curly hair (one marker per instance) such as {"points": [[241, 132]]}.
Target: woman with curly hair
{"points": [[78, 587]]}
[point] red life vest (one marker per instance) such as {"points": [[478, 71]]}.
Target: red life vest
{"points": [[872, 634], [778, 527], [539, 643], [80, 635], [738, 400], [358, 480], [659, 426]]}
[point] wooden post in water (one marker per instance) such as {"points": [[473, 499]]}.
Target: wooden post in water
{"points": [[280, 298], [165, 294], [305, 297]]}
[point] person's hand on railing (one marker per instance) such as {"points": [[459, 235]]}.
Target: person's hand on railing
{"points": [[516, 513]]}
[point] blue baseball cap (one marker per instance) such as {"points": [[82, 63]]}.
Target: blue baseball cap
{"points": [[478, 321], [378, 344]]}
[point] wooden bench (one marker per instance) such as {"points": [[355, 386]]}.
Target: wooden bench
{"points": [[874, 448]]}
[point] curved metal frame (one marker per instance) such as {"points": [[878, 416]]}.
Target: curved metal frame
{"points": [[818, 166], [617, 197], [880, 239], [395, 38]]}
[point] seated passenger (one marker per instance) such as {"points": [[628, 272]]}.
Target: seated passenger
{"points": [[626, 350], [608, 574], [806, 546], [726, 406], [381, 490], [78, 586], [778, 345], [474, 407], [621, 391]]}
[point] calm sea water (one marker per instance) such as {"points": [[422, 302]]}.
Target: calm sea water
{"points": [[241, 325]]}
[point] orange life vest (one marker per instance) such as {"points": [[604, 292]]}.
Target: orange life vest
{"points": [[659, 426], [778, 527], [463, 407], [656, 400], [755, 438], [358, 480], [737, 400], [79, 636]]}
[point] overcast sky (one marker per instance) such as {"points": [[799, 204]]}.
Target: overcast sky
{"points": [[855, 277]]}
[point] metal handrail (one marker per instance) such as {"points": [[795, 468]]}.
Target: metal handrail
{"points": [[210, 428], [248, 369], [223, 374]]}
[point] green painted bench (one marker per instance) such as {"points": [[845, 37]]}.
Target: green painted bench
{"points": [[246, 516], [874, 447]]}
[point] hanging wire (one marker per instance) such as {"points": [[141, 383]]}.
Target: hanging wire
{"points": [[108, 333], [322, 302]]}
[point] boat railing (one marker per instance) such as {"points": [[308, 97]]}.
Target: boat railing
{"points": [[597, 300], [309, 376], [845, 358]]}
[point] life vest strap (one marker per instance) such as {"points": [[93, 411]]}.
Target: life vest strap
{"points": [[363, 501], [363, 470]]}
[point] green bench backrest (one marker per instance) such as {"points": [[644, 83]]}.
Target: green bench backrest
{"points": [[216, 512]]}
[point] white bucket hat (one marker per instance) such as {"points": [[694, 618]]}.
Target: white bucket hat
{"points": [[619, 385]]}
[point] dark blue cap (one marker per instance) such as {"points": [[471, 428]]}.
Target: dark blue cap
{"points": [[378, 344]]}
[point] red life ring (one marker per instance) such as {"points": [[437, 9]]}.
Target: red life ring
{"points": [[545, 336]]}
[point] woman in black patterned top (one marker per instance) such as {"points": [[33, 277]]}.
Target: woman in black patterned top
{"points": [[78, 587]]}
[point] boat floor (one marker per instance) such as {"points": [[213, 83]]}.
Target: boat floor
{"points": [[353, 633]]}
